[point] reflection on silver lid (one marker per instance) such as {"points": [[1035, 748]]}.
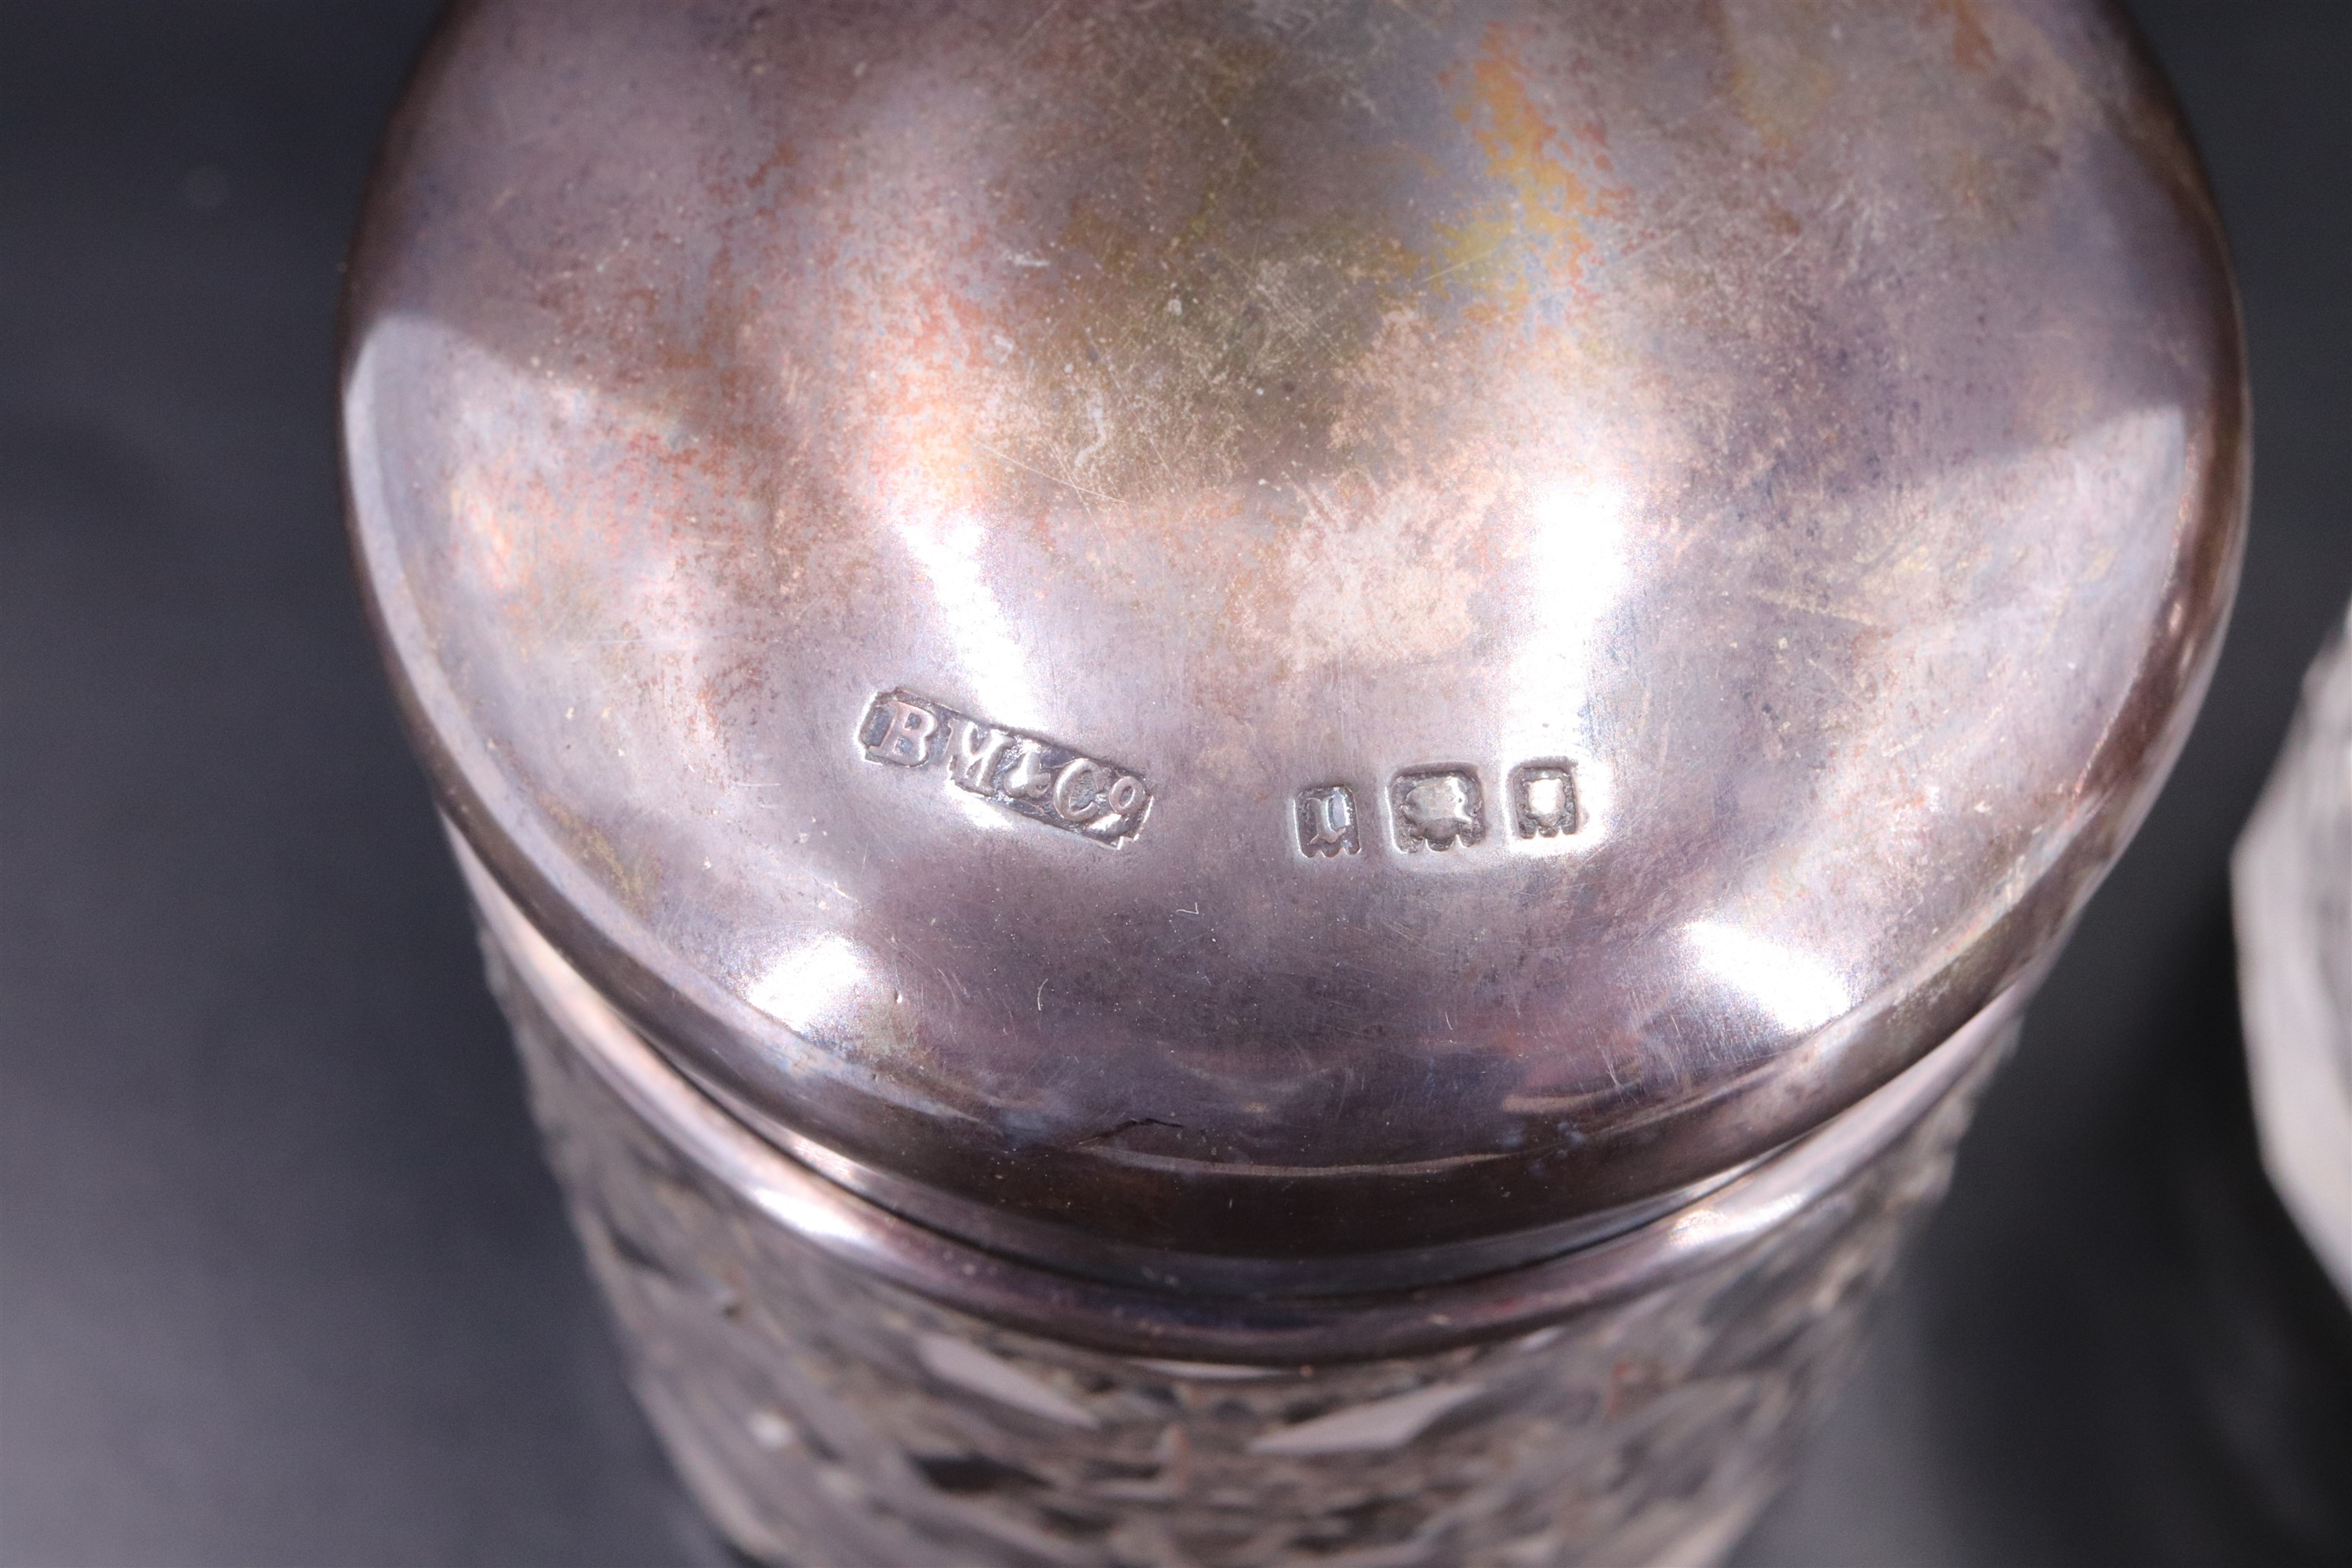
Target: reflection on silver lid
{"points": [[1291, 631]]}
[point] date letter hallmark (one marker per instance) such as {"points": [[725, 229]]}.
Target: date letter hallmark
{"points": [[1543, 799], [1033, 777]]}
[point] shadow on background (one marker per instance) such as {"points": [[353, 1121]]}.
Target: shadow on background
{"points": [[2113, 1349]]}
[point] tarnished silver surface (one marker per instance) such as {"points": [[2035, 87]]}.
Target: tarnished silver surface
{"points": [[831, 1400], [2292, 882], [1294, 645], [1326, 412], [1257, 782]]}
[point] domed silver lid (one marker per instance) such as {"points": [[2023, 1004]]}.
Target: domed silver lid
{"points": [[1294, 632]]}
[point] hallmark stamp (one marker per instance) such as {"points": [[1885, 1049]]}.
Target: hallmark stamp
{"points": [[900, 731], [1543, 799], [1437, 808], [1029, 776], [1326, 821]]}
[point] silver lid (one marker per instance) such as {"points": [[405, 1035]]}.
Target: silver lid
{"points": [[1294, 632]]}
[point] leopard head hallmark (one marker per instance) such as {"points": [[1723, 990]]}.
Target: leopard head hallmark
{"points": [[1439, 808]]}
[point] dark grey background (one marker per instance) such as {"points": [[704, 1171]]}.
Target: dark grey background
{"points": [[284, 1282]]}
